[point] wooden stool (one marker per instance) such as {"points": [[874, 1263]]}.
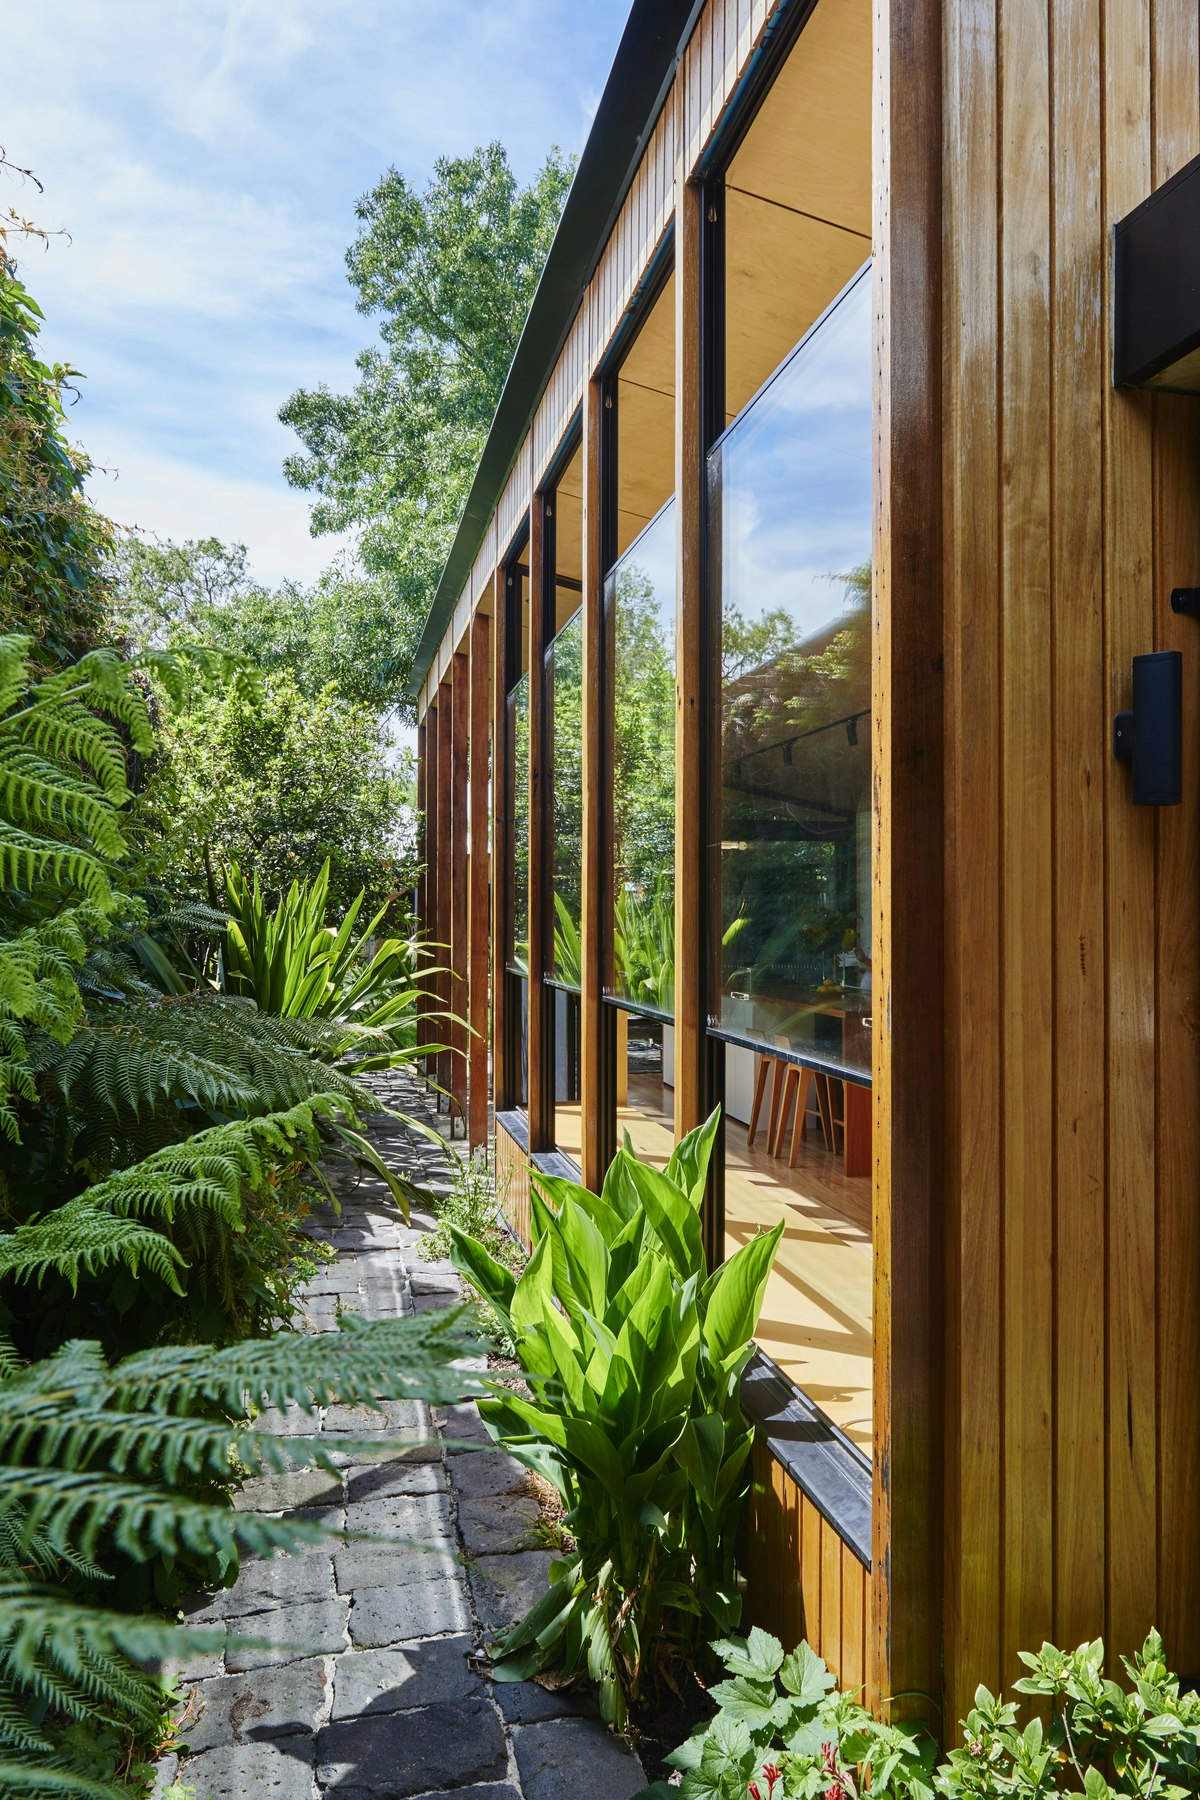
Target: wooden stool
{"points": [[797, 1090], [766, 1061]]}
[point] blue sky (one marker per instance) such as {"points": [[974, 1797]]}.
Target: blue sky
{"points": [[205, 157]]}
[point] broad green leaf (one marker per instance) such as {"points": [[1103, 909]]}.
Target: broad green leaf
{"points": [[486, 1275], [804, 1674], [699, 1452], [757, 1656], [670, 1214], [586, 1254], [734, 1295], [688, 1167]]}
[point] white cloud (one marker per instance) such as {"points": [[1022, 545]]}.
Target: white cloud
{"points": [[205, 156], [176, 499]]}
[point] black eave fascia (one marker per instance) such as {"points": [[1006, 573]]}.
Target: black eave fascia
{"points": [[638, 83]]}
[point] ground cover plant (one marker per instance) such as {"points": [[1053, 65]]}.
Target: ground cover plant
{"points": [[783, 1731], [634, 1355], [473, 1207]]}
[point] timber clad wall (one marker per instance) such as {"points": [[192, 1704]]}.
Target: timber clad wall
{"points": [[1073, 918], [803, 1581], [1037, 1074]]}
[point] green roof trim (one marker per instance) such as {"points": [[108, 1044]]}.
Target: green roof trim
{"points": [[633, 97]]}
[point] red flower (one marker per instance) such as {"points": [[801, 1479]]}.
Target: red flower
{"points": [[753, 1792], [772, 1773]]}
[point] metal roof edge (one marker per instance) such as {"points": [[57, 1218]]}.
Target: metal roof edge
{"points": [[634, 94]]}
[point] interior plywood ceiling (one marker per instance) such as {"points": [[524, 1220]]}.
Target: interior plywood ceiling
{"points": [[568, 537], [646, 421], [798, 197]]}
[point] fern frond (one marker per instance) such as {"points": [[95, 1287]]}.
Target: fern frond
{"points": [[360, 1363], [216, 1053], [53, 1780], [104, 1225]]}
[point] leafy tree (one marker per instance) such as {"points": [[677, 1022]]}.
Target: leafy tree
{"points": [[283, 781], [450, 274], [53, 544], [337, 631]]}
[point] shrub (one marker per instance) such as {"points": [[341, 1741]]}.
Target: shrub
{"points": [[634, 1353], [783, 1732], [473, 1208], [282, 780]]}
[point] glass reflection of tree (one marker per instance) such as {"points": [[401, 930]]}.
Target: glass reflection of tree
{"points": [[519, 740], [644, 790], [566, 711], [796, 778]]}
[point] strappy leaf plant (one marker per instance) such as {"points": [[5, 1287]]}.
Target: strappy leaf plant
{"points": [[289, 961], [634, 1353]]}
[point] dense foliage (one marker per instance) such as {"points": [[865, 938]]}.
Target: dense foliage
{"points": [[159, 1139], [116, 1485], [53, 545], [449, 274], [635, 1354], [336, 632], [282, 781], [784, 1732]]}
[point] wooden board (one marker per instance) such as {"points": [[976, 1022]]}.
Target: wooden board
{"points": [[691, 737], [479, 923], [502, 1075], [802, 1580], [460, 688], [1073, 966], [541, 1027], [445, 882]]}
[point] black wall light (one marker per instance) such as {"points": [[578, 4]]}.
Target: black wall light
{"points": [[1156, 288], [1150, 737]]}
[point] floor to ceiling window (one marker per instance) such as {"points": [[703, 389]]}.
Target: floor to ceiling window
{"points": [[516, 772], [789, 520], [563, 558], [639, 636]]}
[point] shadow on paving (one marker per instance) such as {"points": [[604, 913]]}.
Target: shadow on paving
{"points": [[370, 1692]]}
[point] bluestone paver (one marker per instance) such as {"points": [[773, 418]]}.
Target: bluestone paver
{"points": [[373, 1686], [391, 1756], [420, 1674], [269, 1703], [574, 1756]]}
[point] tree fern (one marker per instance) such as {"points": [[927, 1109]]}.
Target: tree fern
{"points": [[96, 1458], [220, 1055], [122, 1220]]}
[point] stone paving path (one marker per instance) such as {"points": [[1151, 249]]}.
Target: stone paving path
{"points": [[385, 1702]]}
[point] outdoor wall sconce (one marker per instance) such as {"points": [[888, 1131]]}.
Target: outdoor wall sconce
{"points": [[1150, 737], [1156, 289]]}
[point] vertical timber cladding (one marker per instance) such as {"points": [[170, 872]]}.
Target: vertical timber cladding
{"points": [[479, 922], [501, 1073], [802, 1580], [903, 1654], [512, 1183], [445, 880], [460, 683], [433, 1023], [422, 877], [1073, 933]]}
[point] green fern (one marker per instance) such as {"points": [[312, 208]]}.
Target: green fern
{"points": [[96, 1458], [219, 1055], [122, 1220]]}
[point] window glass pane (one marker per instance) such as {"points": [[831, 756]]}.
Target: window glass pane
{"points": [[790, 516], [797, 197], [564, 708], [518, 742], [640, 626]]}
